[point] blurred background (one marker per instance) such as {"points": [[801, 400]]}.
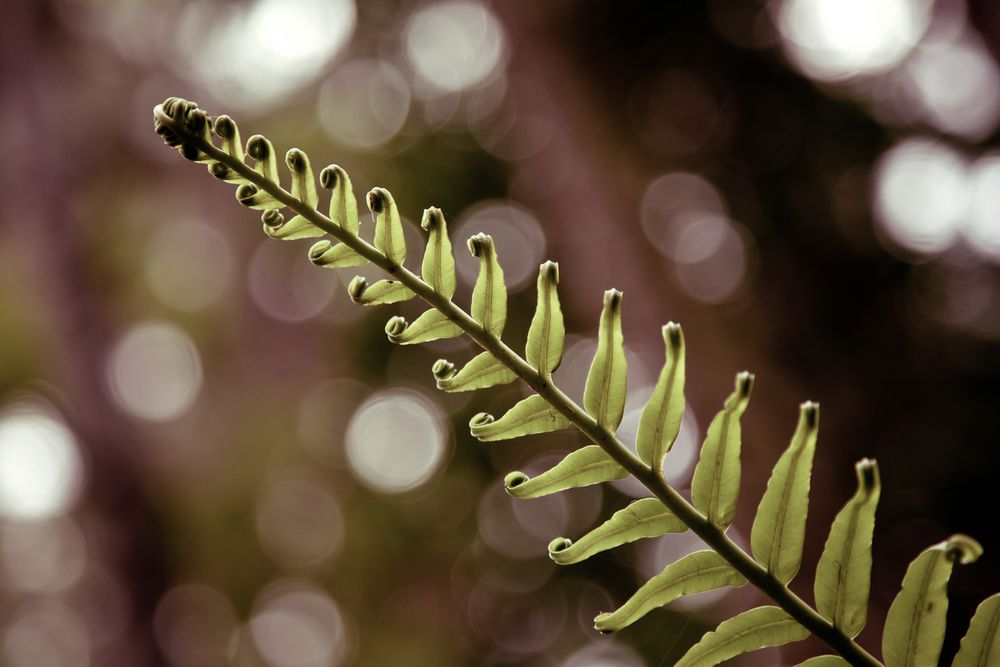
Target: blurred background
{"points": [[209, 456]]}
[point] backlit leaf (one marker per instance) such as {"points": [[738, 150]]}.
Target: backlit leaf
{"points": [[379, 293], [694, 573], [343, 204], [981, 645], [547, 332], [604, 395], [388, 228], [483, 370], [715, 486], [293, 230], [643, 518], [755, 629], [430, 325], [583, 467], [303, 181], [489, 296], [531, 416], [327, 254], [915, 624], [266, 162], [843, 575], [438, 268], [779, 529], [661, 418]]}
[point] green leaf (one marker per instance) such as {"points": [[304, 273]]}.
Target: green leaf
{"points": [[779, 529], [661, 418], [293, 230], [825, 661], [583, 467], [641, 519], [334, 256], [388, 228], [715, 486], [843, 575], [343, 204], [303, 181], [484, 370], [755, 629], [380, 293], [261, 150], [489, 296], [430, 325], [227, 130], [915, 624], [251, 197], [694, 573], [979, 646], [531, 416], [604, 395], [547, 332], [438, 267]]}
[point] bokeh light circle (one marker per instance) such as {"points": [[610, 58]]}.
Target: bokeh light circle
{"points": [[921, 195], [299, 522], [154, 371], [297, 625], [396, 441], [364, 104], [41, 471], [454, 45]]}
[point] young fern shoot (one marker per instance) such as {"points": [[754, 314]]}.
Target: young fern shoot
{"points": [[915, 624]]}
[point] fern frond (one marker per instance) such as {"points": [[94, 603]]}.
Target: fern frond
{"points": [[778, 529]]}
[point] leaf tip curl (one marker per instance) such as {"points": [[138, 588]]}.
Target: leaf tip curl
{"points": [[809, 413], [559, 544], [514, 480], [330, 176], [673, 336], [296, 160], [376, 199], [479, 420], [550, 270], [356, 288], [963, 549], [258, 147], [433, 217], [744, 384], [225, 127], [613, 299], [395, 327], [480, 244], [442, 369], [868, 475]]}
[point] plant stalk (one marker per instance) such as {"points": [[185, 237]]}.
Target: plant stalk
{"points": [[741, 561]]}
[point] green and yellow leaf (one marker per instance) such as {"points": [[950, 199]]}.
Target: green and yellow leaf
{"points": [[547, 332], [380, 293], [779, 529], [643, 518], [438, 268], [980, 646], [583, 467], [266, 162], [661, 418], [694, 573], [489, 296], [752, 630], [430, 325], [293, 230], [303, 181], [484, 370], [604, 394], [843, 575], [329, 255], [715, 487], [388, 227], [915, 624], [530, 416]]}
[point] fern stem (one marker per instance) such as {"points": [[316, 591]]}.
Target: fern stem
{"points": [[791, 603]]}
